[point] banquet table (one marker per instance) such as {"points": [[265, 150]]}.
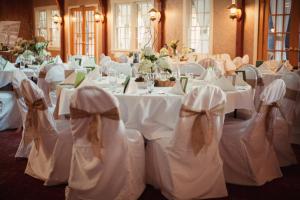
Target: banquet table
{"points": [[157, 111]]}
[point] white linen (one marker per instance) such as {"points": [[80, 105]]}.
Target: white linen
{"points": [[50, 155], [223, 83], [177, 88], [194, 68], [132, 87], [171, 163], [119, 174]]}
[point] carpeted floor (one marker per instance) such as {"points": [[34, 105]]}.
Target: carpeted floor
{"points": [[14, 184]]}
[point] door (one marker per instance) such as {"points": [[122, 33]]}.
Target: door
{"points": [[83, 31], [281, 35]]}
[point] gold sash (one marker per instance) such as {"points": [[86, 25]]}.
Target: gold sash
{"points": [[260, 81], [95, 126], [270, 118], [252, 82], [32, 119], [42, 74], [200, 137]]}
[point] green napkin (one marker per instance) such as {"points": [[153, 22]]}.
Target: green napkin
{"points": [[126, 83], [80, 76]]}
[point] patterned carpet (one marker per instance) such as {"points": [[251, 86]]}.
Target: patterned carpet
{"points": [[14, 184]]}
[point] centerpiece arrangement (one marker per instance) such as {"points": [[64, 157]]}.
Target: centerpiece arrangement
{"points": [[34, 51], [157, 63]]}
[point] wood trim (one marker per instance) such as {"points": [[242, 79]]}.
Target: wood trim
{"points": [[61, 7], [161, 7], [239, 49], [104, 8]]}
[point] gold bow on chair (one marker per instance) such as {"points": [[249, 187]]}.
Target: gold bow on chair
{"points": [[95, 126], [200, 137], [270, 118], [32, 119], [42, 74]]}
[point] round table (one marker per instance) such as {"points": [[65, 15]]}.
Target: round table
{"points": [[157, 111]]}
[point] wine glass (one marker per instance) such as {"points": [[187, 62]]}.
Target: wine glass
{"points": [[113, 78], [150, 77]]}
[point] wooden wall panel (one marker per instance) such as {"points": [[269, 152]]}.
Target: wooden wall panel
{"points": [[19, 10]]}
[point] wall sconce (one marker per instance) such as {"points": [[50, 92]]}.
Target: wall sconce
{"points": [[234, 11], [154, 14], [57, 19], [99, 17]]}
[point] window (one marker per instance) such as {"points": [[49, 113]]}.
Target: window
{"points": [[83, 31], [46, 27], [198, 29], [279, 29], [132, 27]]}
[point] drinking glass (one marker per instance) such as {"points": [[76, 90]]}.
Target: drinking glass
{"points": [[113, 78], [150, 77]]}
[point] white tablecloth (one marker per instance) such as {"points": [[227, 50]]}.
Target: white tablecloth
{"points": [[158, 110], [269, 77]]}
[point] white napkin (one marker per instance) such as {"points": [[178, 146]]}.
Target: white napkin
{"points": [[177, 88], [9, 67], [132, 87], [223, 83], [210, 75], [264, 69], [284, 69]]}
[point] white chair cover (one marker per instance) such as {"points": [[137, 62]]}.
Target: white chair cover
{"points": [[296, 121], [172, 163], [194, 68], [108, 159], [23, 149], [50, 155], [246, 146], [10, 116], [285, 125]]}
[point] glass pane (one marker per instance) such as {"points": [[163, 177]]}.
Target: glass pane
{"points": [[271, 42], [273, 7], [280, 6], [288, 5], [279, 23]]}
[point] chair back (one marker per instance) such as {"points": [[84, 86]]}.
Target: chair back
{"points": [[201, 119], [194, 68], [251, 75]]}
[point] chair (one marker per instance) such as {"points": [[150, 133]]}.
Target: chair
{"points": [[50, 156], [284, 122], [10, 117], [246, 146], [296, 121], [185, 163], [23, 149], [194, 68], [108, 159]]}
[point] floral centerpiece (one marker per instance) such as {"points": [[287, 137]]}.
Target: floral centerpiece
{"points": [[152, 61], [29, 49]]}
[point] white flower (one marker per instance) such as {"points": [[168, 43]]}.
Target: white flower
{"points": [[148, 51], [146, 66], [163, 63]]}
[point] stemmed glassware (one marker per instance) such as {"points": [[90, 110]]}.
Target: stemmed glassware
{"points": [[113, 78], [150, 78]]}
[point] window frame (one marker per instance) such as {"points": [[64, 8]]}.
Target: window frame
{"points": [[187, 11], [133, 26], [49, 19]]}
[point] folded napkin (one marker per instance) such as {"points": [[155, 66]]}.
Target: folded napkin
{"points": [[130, 86], [177, 88], [9, 67], [80, 76], [263, 68], [58, 60], [223, 83]]}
